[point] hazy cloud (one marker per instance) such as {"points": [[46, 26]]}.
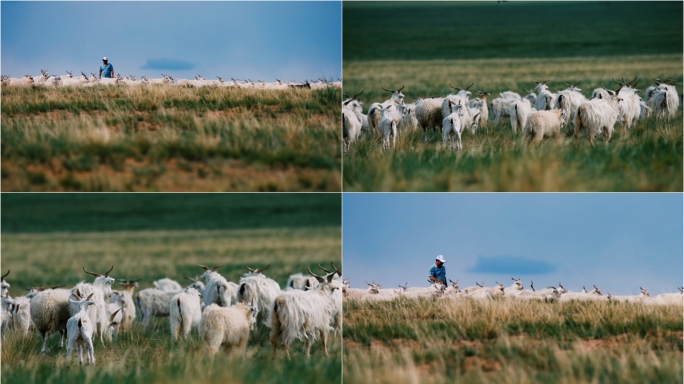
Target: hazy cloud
{"points": [[168, 65], [511, 265]]}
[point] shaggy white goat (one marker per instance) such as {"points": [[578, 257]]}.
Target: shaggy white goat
{"points": [[544, 124], [303, 314], [597, 115], [227, 326], [254, 286]]}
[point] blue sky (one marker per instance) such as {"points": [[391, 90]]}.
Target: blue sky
{"points": [[257, 40], [617, 241]]}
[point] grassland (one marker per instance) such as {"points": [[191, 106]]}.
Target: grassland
{"points": [[169, 243], [499, 47], [509, 341], [468, 30], [170, 139]]}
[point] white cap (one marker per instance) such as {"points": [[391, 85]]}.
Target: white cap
{"points": [[441, 258], [104, 58]]}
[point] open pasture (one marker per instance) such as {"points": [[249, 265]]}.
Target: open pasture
{"points": [[497, 47], [648, 157], [510, 341], [163, 138], [168, 236]]}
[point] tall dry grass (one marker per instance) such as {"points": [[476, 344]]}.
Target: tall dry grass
{"points": [[170, 138], [511, 341]]}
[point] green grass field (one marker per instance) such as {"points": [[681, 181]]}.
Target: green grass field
{"points": [[170, 139], [468, 30], [167, 238], [511, 341], [415, 45]]}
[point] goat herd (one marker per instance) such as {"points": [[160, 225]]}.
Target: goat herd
{"points": [[516, 291], [222, 311], [538, 115], [67, 80]]}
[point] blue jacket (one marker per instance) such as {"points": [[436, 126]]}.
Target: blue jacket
{"points": [[107, 70], [439, 273]]}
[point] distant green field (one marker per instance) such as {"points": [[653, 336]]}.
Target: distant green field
{"points": [[152, 236], [84, 212], [467, 30]]}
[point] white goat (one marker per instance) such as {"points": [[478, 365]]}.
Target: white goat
{"points": [[452, 127], [544, 124], [80, 330], [665, 101], [227, 326], [185, 312], [375, 110], [520, 111], [219, 290], [102, 288], [597, 115], [167, 284], [256, 287], [569, 100], [303, 314]]}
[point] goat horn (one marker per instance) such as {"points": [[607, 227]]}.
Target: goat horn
{"points": [[202, 266], [634, 86], [250, 269], [107, 273], [577, 83], [357, 95], [111, 318], [215, 267], [190, 278], [388, 90], [339, 271], [319, 266], [5, 275], [320, 279], [58, 286], [263, 269], [456, 88], [91, 273], [345, 95], [471, 84], [76, 296]]}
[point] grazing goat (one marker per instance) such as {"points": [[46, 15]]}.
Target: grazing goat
{"points": [[303, 314], [80, 330], [597, 115], [375, 110], [544, 124], [219, 290], [254, 286], [227, 326], [185, 312], [102, 288]]}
